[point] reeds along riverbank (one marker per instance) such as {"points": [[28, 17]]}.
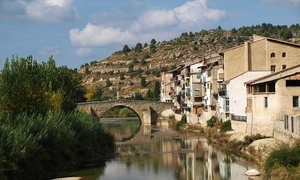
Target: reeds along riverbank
{"points": [[33, 146]]}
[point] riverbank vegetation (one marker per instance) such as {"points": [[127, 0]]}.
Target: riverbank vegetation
{"points": [[40, 131], [284, 163]]}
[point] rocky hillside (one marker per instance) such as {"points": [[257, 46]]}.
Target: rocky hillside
{"points": [[126, 68]]}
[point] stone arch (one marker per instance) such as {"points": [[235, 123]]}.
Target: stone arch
{"points": [[148, 111], [100, 113]]}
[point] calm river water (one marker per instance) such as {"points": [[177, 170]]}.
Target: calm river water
{"points": [[155, 152]]}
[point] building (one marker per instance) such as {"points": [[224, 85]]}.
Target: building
{"points": [[271, 98], [249, 61]]}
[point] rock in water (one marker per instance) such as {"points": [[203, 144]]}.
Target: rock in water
{"points": [[252, 172]]}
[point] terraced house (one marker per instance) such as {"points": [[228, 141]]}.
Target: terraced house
{"points": [[217, 83]]}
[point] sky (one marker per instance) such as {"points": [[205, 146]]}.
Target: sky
{"points": [[76, 32]]}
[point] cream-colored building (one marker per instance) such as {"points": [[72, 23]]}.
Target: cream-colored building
{"points": [[232, 104], [261, 54], [246, 62], [271, 98]]}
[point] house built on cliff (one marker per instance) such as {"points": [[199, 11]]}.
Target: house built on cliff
{"points": [[214, 85]]}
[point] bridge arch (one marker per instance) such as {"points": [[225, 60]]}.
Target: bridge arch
{"points": [[148, 111]]}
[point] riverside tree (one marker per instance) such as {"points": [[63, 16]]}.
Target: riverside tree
{"points": [[32, 88]]}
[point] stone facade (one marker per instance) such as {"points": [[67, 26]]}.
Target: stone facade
{"points": [[271, 98]]}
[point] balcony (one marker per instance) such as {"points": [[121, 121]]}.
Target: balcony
{"points": [[222, 92]]}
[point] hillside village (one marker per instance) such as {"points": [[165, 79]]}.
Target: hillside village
{"points": [[236, 75], [256, 85]]}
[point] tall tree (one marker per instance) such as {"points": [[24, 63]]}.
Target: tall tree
{"points": [[32, 88], [126, 49], [138, 47]]}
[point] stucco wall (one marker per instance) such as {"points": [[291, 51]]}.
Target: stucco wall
{"points": [[237, 91], [292, 55], [239, 126], [279, 103], [258, 56], [234, 62]]}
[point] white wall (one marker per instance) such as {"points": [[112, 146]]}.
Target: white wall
{"points": [[237, 91]]}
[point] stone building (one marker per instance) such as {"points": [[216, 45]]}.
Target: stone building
{"points": [[249, 61], [271, 98]]}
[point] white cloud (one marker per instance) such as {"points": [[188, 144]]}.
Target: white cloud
{"points": [[93, 35], [42, 10], [193, 15], [83, 52], [50, 50], [51, 10]]}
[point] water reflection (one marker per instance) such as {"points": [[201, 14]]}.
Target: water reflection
{"points": [[165, 154], [122, 128]]}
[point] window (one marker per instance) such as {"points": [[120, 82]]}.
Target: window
{"points": [[283, 67], [273, 67], [266, 102], [295, 101], [283, 54], [292, 124], [227, 104], [292, 83], [272, 54], [271, 87]]}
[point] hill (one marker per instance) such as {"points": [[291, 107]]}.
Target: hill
{"points": [[126, 69]]}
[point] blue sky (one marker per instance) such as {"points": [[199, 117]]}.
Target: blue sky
{"points": [[80, 31]]}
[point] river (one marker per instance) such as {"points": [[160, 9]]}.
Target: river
{"points": [[156, 152]]}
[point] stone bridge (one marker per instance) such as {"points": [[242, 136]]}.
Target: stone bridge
{"points": [[148, 111]]}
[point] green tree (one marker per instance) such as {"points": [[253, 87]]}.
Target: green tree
{"points": [[287, 35], [156, 92], [143, 62], [138, 47], [152, 48], [143, 81], [126, 49], [97, 95], [122, 76], [86, 70], [108, 83], [32, 88], [153, 41], [130, 67]]}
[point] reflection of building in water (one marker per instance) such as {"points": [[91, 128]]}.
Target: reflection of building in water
{"points": [[198, 160]]}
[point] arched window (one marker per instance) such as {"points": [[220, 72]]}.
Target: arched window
{"points": [[272, 54], [283, 54]]}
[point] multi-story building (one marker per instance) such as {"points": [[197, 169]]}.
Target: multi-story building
{"points": [[249, 61], [215, 85], [271, 98]]}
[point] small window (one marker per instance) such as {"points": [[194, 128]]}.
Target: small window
{"points": [[283, 67], [272, 54], [295, 101], [273, 67], [283, 54], [266, 102]]}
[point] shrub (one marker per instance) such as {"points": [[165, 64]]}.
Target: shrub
{"points": [[181, 123], [211, 122], [31, 146], [285, 156], [226, 126]]}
